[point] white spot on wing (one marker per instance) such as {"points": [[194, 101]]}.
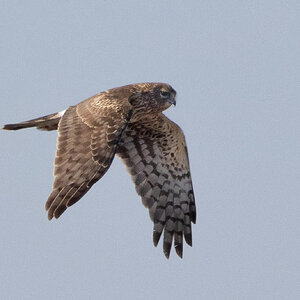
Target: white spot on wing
{"points": [[61, 113]]}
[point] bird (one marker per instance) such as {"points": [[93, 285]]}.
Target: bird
{"points": [[128, 122]]}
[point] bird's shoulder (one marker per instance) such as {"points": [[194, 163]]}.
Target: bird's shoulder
{"points": [[104, 107]]}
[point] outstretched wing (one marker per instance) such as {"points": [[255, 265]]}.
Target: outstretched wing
{"points": [[155, 153], [88, 135]]}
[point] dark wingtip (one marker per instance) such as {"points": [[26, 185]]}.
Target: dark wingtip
{"points": [[156, 237], [8, 127], [179, 251], [179, 247], [188, 239], [167, 249], [193, 216], [59, 211], [15, 126], [167, 254]]}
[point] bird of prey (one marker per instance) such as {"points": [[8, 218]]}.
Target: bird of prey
{"points": [[128, 122]]}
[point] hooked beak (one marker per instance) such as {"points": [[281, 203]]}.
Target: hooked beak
{"points": [[172, 100]]}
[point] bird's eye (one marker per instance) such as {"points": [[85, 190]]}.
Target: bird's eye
{"points": [[164, 94]]}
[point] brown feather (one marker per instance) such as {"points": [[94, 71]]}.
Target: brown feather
{"points": [[85, 150]]}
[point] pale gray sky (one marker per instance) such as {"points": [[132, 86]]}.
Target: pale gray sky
{"points": [[236, 68]]}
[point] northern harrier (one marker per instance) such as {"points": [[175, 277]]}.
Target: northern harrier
{"points": [[126, 121]]}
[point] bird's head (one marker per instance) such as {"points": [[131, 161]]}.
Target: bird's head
{"points": [[151, 98]]}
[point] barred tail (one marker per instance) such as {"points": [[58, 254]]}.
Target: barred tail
{"points": [[49, 122]]}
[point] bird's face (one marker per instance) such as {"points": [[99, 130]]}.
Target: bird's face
{"points": [[153, 98], [165, 96]]}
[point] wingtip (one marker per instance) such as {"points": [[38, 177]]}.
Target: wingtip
{"points": [[179, 250], [167, 254], [50, 215], [156, 237], [13, 126], [179, 253], [167, 249], [189, 241], [5, 127]]}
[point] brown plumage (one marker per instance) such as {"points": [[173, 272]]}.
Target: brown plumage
{"points": [[126, 121]]}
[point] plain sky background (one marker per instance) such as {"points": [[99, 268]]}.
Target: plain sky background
{"points": [[235, 66]]}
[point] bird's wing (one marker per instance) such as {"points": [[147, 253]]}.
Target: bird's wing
{"points": [[88, 135], [154, 151]]}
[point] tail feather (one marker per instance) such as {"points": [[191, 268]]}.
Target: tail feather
{"points": [[49, 122]]}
